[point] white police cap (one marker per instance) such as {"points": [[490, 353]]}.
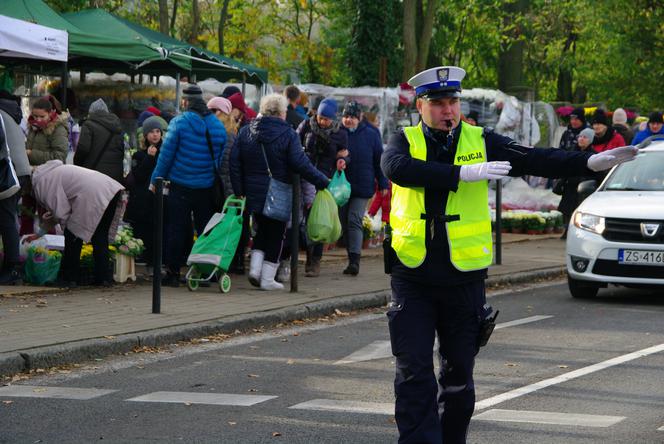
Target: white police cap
{"points": [[434, 83]]}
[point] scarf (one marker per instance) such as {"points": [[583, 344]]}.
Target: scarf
{"points": [[42, 124], [323, 133]]}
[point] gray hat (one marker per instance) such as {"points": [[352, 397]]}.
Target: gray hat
{"points": [[154, 122], [588, 133], [192, 91], [98, 106]]}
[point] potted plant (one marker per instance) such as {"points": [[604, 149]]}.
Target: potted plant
{"points": [[127, 248], [367, 232], [506, 222], [517, 224]]}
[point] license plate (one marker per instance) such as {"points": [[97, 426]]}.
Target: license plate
{"points": [[641, 257]]}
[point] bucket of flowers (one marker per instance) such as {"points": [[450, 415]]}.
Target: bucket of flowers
{"points": [[127, 248], [367, 231]]}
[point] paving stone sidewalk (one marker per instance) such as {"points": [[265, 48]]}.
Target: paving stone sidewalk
{"points": [[41, 327]]}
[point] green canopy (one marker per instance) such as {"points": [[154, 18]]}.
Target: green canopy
{"points": [[179, 56], [81, 44]]}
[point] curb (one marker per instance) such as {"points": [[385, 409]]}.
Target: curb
{"points": [[15, 362]]}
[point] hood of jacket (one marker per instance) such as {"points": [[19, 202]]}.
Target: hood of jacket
{"points": [[61, 120], [11, 108], [109, 121], [44, 169], [267, 129]]}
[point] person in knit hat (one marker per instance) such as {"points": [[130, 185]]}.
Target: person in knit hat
{"points": [[140, 208], [325, 142], [241, 112], [577, 122], [570, 198], [620, 125], [606, 138], [655, 126]]}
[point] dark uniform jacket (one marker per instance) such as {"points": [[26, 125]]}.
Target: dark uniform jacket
{"points": [[438, 175]]}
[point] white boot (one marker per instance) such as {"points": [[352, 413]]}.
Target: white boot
{"points": [[267, 277], [283, 274], [256, 267]]}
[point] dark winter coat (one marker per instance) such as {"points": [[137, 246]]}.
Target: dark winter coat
{"points": [[293, 118], [365, 149], [610, 140], [626, 132], [568, 139], [101, 131], [141, 199], [284, 154], [225, 169], [570, 199], [321, 152]]}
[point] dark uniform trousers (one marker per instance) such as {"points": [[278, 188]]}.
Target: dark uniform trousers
{"points": [[430, 411]]}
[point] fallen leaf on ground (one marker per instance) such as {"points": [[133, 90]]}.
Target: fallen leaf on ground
{"points": [[563, 366], [7, 402], [66, 326], [511, 364], [232, 423], [290, 362], [187, 403], [39, 390], [276, 434], [252, 390], [109, 337], [296, 334], [251, 375]]}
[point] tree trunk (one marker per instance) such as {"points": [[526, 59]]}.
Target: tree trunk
{"points": [[223, 16], [196, 17], [175, 13], [425, 36], [409, 40], [163, 17], [510, 58], [564, 93]]}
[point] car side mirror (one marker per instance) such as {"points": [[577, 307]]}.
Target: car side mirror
{"points": [[586, 188]]}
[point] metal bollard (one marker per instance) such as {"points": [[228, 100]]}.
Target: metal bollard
{"points": [[295, 232], [158, 241]]}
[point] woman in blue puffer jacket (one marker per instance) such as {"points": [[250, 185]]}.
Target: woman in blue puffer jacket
{"points": [[249, 175]]}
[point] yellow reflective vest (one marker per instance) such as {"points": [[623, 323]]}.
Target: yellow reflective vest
{"points": [[469, 234]]}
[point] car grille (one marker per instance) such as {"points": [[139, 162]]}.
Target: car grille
{"points": [[629, 230], [613, 268]]}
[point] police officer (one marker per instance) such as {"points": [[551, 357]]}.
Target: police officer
{"points": [[442, 246]]}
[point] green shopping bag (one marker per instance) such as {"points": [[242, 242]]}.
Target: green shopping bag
{"points": [[323, 224], [340, 188], [42, 265]]}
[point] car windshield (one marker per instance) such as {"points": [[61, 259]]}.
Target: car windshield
{"points": [[645, 173]]}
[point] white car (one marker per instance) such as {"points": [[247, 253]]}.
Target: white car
{"points": [[616, 236]]}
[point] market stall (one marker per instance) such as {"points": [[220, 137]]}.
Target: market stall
{"points": [[23, 40]]}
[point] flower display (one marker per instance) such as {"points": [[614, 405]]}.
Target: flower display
{"points": [[367, 228], [126, 243]]}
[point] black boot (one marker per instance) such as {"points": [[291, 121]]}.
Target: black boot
{"points": [[353, 267], [171, 279], [10, 276]]}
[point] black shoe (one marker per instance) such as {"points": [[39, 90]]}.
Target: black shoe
{"points": [[171, 280], [352, 269], [10, 277]]}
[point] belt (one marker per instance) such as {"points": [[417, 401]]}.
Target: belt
{"points": [[441, 217]]}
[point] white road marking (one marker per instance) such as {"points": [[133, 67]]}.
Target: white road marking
{"points": [[382, 349], [334, 405], [522, 321], [203, 398], [37, 391], [534, 417], [375, 350], [490, 402]]}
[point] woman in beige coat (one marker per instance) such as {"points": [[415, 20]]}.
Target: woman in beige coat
{"points": [[84, 202]]}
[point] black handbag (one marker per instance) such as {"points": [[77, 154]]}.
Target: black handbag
{"points": [[9, 184], [217, 186], [279, 198]]}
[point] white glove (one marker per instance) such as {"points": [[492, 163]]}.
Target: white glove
{"points": [[608, 159], [484, 171]]}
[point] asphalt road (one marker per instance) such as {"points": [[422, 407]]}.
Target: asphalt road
{"points": [[558, 370]]}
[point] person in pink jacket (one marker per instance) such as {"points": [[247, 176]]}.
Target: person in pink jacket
{"points": [[83, 202]]}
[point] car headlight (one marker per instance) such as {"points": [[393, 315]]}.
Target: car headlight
{"points": [[589, 222]]}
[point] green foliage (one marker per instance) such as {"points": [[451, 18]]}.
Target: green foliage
{"points": [[374, 37]]}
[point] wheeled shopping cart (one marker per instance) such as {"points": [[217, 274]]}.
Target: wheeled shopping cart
{"points": [[214, 250]]}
